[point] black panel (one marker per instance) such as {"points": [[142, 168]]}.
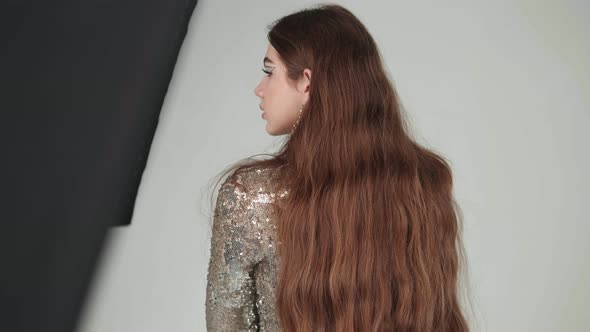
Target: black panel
{"points": [[82, 85]]}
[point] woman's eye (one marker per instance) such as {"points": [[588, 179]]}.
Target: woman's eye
{"points": [[267, 72]]}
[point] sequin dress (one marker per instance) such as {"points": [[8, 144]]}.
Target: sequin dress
{"points": [[242, 272]]}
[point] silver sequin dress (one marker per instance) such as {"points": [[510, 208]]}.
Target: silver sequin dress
{"points": [[242, 272]]}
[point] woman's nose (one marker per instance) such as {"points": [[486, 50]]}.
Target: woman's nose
{"points": [[257, 91]]}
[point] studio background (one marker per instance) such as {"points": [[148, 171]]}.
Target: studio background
{"points": [[502, 89]]}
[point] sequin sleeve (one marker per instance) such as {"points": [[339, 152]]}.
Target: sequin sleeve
{"points": [[235, 251]]}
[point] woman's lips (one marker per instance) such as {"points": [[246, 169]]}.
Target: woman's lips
{"points": [[263, 115]]}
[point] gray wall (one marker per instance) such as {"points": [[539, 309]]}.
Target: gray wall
{"points": [[501, 88]]}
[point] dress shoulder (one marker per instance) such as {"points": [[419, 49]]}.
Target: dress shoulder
{"points": [[255, 180], [242, 236]]}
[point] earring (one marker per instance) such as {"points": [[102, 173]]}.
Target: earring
{"points": [[298, 119]]}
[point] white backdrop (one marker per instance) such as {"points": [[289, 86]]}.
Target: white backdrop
{"points": [[500, 88]]}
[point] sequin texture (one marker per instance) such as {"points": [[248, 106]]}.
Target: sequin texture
{"points": [[243, 265]]}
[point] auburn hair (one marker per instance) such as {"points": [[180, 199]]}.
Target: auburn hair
{"points": [[370, 232]]}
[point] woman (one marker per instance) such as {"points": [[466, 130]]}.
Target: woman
{"points": [[352, 225]]}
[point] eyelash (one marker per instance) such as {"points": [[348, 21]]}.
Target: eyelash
{"points": [[268, 73]]}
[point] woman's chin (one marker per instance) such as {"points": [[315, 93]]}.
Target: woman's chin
{"points": [[269, 129], [272, 131]]}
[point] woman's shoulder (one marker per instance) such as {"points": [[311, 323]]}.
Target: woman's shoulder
{"points": [[245, 211], [255, 180]]}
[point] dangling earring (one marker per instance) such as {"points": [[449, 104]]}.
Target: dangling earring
{"points": [[298, 119]]}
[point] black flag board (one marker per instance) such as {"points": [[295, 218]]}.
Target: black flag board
{"points": [[82, 86]]}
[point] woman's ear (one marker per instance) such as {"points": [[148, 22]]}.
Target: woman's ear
{"points": [[307, 76], [304, 84]]}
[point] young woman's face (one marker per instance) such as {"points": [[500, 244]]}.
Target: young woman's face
{"points": [[280, 100]]}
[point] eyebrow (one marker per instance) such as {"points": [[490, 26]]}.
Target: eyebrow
{"points": [[266, 59]]}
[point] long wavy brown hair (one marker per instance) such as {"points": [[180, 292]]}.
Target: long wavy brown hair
{"points": [[370, 232]]}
